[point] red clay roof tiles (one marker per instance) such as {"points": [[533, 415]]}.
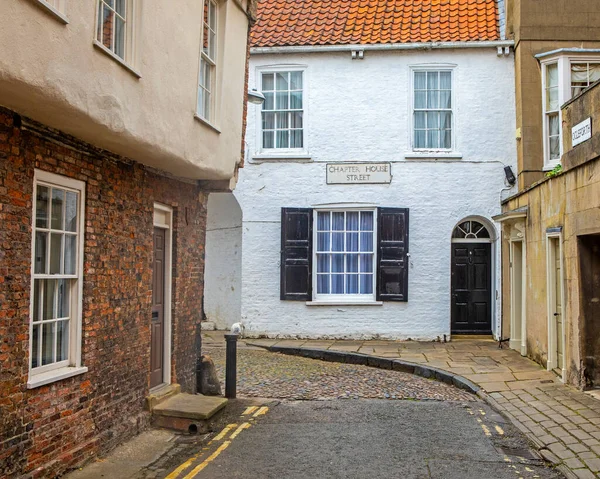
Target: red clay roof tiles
{"points": [[343, 22]]}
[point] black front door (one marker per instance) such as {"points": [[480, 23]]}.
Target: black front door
{"points": [[471, 284]]}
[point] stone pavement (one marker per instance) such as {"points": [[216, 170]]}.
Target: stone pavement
{"points": [[562, 421]]}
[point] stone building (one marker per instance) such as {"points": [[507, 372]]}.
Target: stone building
{"points": [[550, 227], [374, 168], [117, 118]]}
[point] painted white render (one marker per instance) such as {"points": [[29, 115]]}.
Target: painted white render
{"points": [[360, 110], [223, 270]]}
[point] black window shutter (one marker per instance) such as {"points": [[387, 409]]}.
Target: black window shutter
{"points": [[392, 250], [296, 254]]}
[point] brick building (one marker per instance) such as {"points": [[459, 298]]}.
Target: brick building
{"points": [[113, 131]]}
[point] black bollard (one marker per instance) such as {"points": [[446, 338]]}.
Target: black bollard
{"points": [[231, 365]]}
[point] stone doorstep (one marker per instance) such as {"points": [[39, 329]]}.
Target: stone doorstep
{"points": [[190, 406], [160, 395]]}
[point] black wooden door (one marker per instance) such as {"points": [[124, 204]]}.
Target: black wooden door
{"points": [[471, 288], [158, 301]]}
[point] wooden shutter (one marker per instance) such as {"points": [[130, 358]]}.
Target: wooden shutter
{"points": [[392, 250], [296, 254]]}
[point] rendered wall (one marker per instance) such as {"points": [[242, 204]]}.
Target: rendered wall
{"points": [[53, 73], [358, 111], [223, 273]]}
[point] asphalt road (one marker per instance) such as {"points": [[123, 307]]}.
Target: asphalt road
{"points": [[377, 439]]}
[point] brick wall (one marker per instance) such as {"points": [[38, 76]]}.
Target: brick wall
{"points": [[44, 431]]}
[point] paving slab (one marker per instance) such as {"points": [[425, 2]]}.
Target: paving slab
{"points": [[190, 406]]}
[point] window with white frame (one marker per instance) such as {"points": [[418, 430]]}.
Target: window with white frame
{"points": [[345, 253], [114, 27], [563, 77], [56, 268], [432, 110], [56, 7], [282, 115], [208, 62]]}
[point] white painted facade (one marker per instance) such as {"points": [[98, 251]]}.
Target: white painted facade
{"points": [[360, 111]]}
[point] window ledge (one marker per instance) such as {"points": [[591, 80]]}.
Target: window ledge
{"points": [[433, 155], [207, 123], [550, 166], [344, 303], [35, 381], [61, 17], [297, 157], [118, 59]]}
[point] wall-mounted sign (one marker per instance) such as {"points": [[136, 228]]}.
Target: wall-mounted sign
{"points": [[359, 173], [581, 132]]}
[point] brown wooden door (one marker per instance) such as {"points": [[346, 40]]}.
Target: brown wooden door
{"points": [[471, 311], [157, 330]]}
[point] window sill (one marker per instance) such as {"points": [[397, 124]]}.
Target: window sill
{"points": [[207, 123], [118, 59], [42, 379], [550, 166], [274, 157], [61, 17], [433, 155], [344, 303]]}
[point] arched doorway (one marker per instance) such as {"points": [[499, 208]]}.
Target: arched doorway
{"points": [[471, 285]]}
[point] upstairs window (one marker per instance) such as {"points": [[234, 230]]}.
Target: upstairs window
{"points": [[432, 110], [583, 75], [113, 17], [208, 62], [283, 110], [552, 113]]}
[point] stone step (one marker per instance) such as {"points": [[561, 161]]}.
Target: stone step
{"points": [[161, 395], [187, 412]]}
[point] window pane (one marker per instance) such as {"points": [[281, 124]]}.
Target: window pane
{"points": [[552, 99], [296, 100], [366, 221], [200, 106], [366, 284], [420, 119], [433, 119], [36, 299], [58, 197], [282, 81], [323, 242], [433, 137], [323, 221], [35, 346], [296, 80], [41, 242], [268, 139], [269, 103], [322, 263], [445, 99], [71, 211], [49, 303], [282, 120], [420, 139], [351, 241], [352, 221], [120, 7], [337, 263], [554, 148], [282, 100], [352, 284], [337, 242], [445, 81], [432, 80], [70, 254], [107, 20], [446, 120], [62, 340], [352, 263], [366, 263], [420, 81], [296, 139], [48, 343], [119, 37], [553, 124], [446, 139], [283, 138], [338, 221], [420, 99], [268, 121], [268, 82], [337, 284], [207, 107], [433, 99], [41, 207], [366, 241], [212, 45], [323, 284], [64, 297], [55, 253], [552, 75]]}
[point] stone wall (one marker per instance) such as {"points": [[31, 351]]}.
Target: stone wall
{"points": [[51, 428]]}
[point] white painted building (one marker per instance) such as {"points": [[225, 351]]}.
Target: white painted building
{"points": [[367, 167]]}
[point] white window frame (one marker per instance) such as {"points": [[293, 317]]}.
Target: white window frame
{"points": [[212, 63], [411, 141], [563, 61], [129, 58], [72, 366], [320, 299], [283, 152], [57, 8]]}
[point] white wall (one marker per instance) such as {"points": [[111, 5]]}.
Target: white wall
{"points": [[359, 111], [223, 270]]}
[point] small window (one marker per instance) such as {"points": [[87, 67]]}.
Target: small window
{"points": [[283, 110], [432, 110], [114, 26], [551, 107], [583, 75], [470, 230], [208, 62], [56, 302]]}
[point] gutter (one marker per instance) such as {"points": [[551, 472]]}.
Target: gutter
{"points": [[380, 47]]}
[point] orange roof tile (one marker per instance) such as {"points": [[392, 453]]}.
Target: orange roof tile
{"points": [[343, 22]]}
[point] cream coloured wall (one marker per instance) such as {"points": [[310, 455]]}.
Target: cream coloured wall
{"points": [[52, 72]]}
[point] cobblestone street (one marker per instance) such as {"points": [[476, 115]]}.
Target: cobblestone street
{"points": [[269, 375]]}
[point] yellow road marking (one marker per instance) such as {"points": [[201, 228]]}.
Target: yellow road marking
{"points": [[507, 459], [208, 460], [499, 430], [224, 432], [479, 421], [528, 469], [470, 412], [246, 425], [261, 411], [482, 412], [249, 410], [486, 430]]}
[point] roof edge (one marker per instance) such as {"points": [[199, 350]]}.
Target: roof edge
{"points": [[380, 47]]}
